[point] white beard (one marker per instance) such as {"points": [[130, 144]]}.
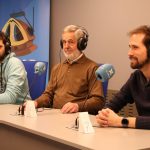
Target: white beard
{"points": [[69, 56]]}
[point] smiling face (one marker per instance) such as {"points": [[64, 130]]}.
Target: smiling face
{"points": [[138, 52], [69, 42]]}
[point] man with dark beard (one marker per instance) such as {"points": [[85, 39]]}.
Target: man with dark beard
{"points": [[136, 89], [13, 77]]}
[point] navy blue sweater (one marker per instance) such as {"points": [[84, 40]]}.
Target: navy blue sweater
{"points": [[136, 89]]}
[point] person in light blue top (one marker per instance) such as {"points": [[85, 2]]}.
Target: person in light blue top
{"points": [[13, 77]]}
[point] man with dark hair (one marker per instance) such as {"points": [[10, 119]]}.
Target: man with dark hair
{"points": [[136, 89], [13, 78]]}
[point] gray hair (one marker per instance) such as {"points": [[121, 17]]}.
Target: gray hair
{"points": [[79, 31]]}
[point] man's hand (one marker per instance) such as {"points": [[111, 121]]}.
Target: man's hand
{"points": [[70, 108], [107, 117]]}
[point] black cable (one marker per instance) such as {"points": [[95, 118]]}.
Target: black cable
{"points": [[86, 98], [60, 55]]}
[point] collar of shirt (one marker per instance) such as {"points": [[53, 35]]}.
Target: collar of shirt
{"points": [[79, 59]]}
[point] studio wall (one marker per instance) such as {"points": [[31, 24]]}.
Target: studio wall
{"points": [[108, 23], [37, 13]]}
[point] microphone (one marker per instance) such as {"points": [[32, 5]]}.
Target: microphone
{"points": [[76, 126], [105, 72], [39, 68]]}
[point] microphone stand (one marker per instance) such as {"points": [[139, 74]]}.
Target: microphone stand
{"points": [[86, 98]]}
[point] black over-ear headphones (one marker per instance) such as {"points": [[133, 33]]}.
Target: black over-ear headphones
{"points": [[82, 41]]}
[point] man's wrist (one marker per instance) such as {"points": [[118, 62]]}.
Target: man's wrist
{"points": [[118, 123]]}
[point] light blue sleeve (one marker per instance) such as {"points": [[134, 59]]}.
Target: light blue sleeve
{"points": [[16, 82]]}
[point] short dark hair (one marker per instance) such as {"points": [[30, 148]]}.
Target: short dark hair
{"points": [[144, 29]]}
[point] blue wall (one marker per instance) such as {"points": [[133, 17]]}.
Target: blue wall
{"points": [[41, 23]]}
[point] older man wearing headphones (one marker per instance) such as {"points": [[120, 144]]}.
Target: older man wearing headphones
{"points": [[73, 86], [13, 78]]}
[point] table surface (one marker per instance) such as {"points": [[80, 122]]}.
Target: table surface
{"points": [[52, 124]]}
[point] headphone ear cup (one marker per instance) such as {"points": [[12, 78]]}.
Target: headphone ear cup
{"points": [[61, 44], [82, 43]]}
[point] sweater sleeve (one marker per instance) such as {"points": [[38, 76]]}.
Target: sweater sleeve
{"points": [[143, 122], [121, 99], [46, 99], [95, 100], [15, 75]]}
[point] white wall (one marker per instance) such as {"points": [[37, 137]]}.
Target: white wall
{"points": [[108, 22]]}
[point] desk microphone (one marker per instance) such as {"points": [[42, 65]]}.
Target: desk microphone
{"points": [[39, 68], [105, 72]]}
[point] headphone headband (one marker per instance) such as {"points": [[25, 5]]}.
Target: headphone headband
{"points": [[82, 41]]}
